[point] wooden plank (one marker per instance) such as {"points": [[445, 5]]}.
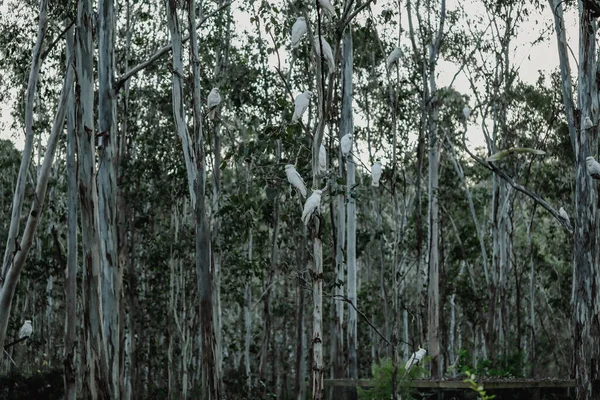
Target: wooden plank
{"points": [[487, 384]]}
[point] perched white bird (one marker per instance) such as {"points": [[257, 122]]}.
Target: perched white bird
{"points": [[415, 359], [563, 213], [327, 52], [25, 330], [300, 105], [593, 167], [346, 144], [295, 179], [298, 31], [376, 173], [213, 101], [466, 112], [328, 7], [322, 160], [393, 57], [587, 123], [311, 206]]}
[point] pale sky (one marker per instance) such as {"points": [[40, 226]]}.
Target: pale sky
{"points": [[542, 56]]}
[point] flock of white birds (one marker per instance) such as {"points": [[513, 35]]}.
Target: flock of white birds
{"points": [[302, 101]]}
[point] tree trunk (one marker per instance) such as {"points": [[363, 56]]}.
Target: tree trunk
{"points": [[107, 191], [10, 252], [433, 295], [337, 339], [70, 362], [300, 334], [347, 127], [211, 379], [15, 220], [586, 272]]}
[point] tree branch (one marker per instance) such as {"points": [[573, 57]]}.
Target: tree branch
{"points": [[534, 196], [120, 81]]}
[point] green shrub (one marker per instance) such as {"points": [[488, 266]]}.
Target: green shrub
{"points": [[382, 381]]}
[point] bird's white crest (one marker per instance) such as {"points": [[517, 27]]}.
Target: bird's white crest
{"points": [[328, 7], [301, 104], [298, 31], [322, 160], [346, 144], [563, 213], [376, 173], [593, 167], [587, 123], [327, 52], [393, 57], [212, 102], [415, 358], [466, 112], [311, 206], [295, 179], [26, 330]]}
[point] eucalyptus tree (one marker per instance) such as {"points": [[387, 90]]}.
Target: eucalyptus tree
{"points": [[107, 192], [15, 220], [584, 143], [430, 105], [193, 149], [70, 361]]}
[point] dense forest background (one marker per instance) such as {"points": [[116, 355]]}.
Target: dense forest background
{"points": [[158, 248]]}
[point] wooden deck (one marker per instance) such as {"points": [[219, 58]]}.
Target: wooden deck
{"points": [[459, 384]]}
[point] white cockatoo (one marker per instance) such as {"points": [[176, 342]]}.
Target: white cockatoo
{"points": [[328, 7], [415, 359], [322, 160], [213, 101], [312, 205], [393, 57], [298, 31], [587, 123], [346, 144], [327, 52], [593, 167], [563, 213], [295, 179], [376, 173], [26, 330], [300, 105], [466, 112]]}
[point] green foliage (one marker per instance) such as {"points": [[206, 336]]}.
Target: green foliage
{"points": [[507, 366], [382, 381], [477, 388]]}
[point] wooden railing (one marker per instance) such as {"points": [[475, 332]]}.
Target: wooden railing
{"points": [[459, 384]]}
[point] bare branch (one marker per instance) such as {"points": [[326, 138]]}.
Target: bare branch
{"points": [[534, 196], [120, 81]]}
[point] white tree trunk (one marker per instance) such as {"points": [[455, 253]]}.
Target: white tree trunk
{"points": [[347, 127], [17, 206], [107, 191], [70, 362], [433, 295], [211, 384]]}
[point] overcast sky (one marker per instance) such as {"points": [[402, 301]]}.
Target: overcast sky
{"points": [[530, 58]]}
